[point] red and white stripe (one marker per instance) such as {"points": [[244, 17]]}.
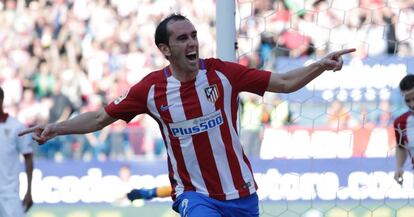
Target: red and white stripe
{"points": [[210, 161], [215, 169], [404, 132]]}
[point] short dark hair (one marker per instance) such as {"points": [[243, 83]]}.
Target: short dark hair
{"points": [[161, 33], [407, 83]]}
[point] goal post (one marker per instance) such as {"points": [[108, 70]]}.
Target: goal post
{"points": [[226, 30]]}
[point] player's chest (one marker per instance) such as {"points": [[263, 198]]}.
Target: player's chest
{"points": [[5, 132], [6, 139], [182, 102]]}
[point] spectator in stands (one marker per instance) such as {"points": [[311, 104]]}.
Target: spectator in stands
{"points": [[30, 110], [338, 115], [61, 109], [279, 113], [124, 173], [44, 81], [252, 127], [296, 42], [95, 145]]}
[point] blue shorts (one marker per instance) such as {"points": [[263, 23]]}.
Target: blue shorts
{"points": [[193, 204]]}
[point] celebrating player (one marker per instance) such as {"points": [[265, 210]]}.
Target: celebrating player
{"points": [[404, 128], [194, 101], [11, 146]]}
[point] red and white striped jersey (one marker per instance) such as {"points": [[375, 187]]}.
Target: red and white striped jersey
{"points": [[404, 132], [198, 121]]}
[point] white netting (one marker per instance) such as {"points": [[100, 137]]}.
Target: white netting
{"points": [[332, 142]]}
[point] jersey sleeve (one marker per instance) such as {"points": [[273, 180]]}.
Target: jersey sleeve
{"points": [[243, 78], [129, 104]]}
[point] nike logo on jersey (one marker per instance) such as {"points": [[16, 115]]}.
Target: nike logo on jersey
{"points": [[164, 107], [246, 185]]}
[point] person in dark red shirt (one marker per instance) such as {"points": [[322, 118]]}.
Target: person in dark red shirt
{"points": [[404, 128], [195, 103]]}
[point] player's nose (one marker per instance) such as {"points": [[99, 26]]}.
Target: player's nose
{"points": [[192, 42]]}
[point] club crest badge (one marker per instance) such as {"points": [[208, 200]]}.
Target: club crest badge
{"points": [[120, 98], [212, 93]]}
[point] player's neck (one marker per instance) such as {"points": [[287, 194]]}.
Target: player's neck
{"points": [[182, 74]]}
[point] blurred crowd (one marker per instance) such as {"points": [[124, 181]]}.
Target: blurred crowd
{"points": [[294, 29], [63, 57]]}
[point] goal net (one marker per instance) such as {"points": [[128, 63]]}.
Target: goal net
{"points": [[327, 149]]}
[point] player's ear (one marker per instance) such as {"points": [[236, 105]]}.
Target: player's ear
{"points": [[165, 49]]}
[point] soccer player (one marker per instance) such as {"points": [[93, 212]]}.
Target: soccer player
{"points": [[404, 128], [11, 146], [194, 101]]}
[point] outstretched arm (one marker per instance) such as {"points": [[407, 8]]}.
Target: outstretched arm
{"points": [[298, 78], [84, 123], [400, 156]]}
